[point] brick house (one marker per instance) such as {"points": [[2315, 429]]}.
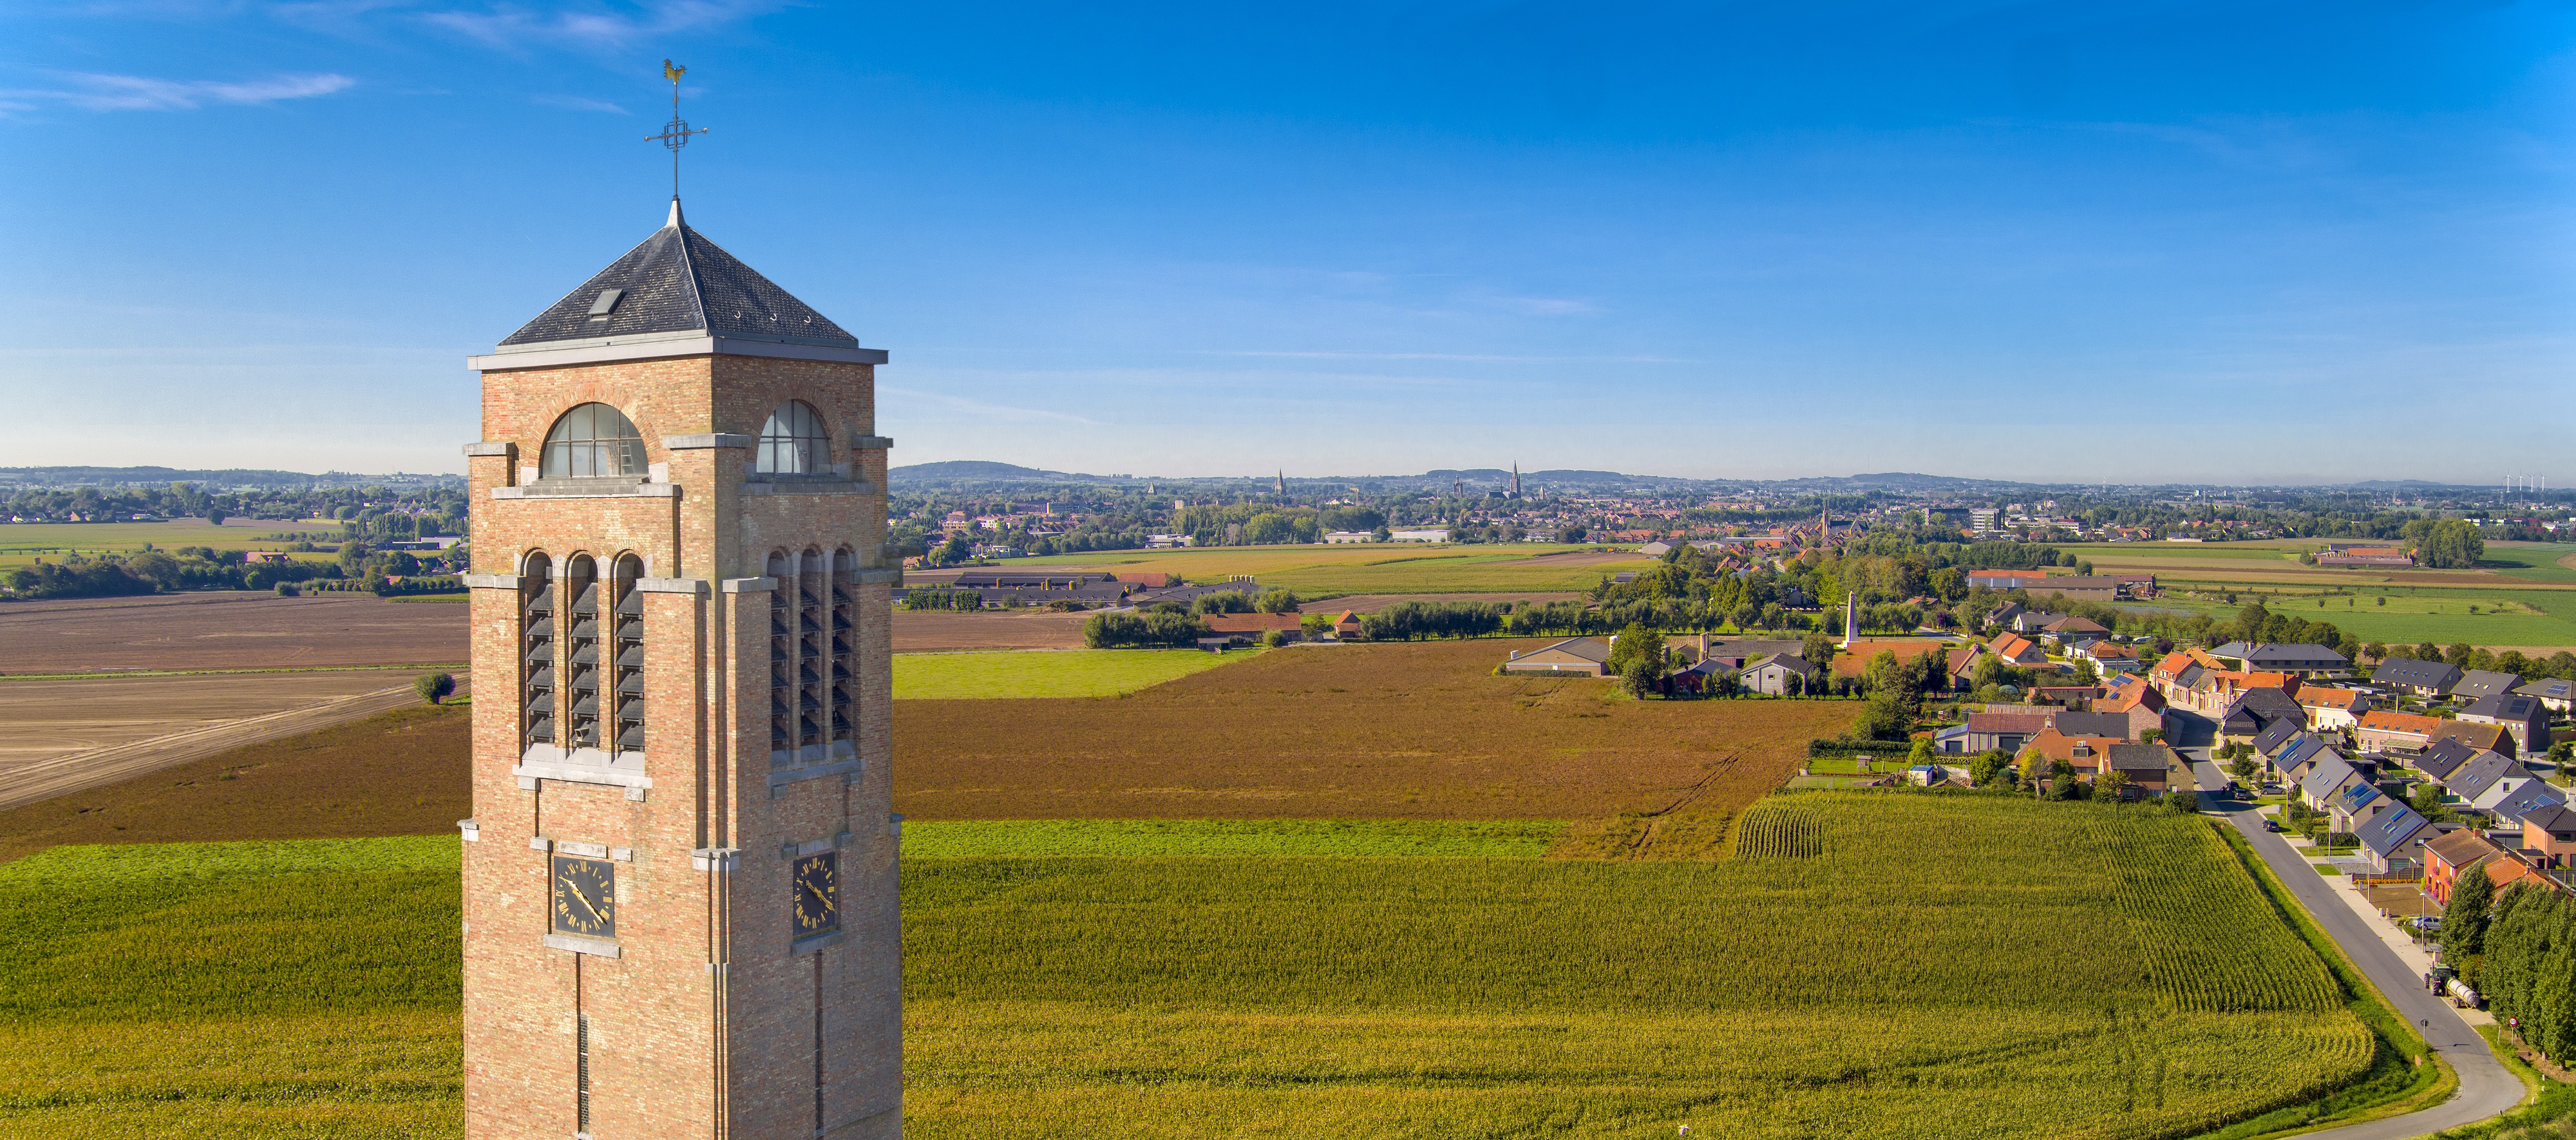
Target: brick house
{"points": [[2549, 835], [2523, 718]]}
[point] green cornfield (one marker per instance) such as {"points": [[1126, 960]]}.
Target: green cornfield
{"points": [[1867, 965]]}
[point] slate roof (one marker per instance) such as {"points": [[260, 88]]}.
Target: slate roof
{"points": [[1587, 648], [677, 281], [2113, 725], [2485, 683], [2269, 705], [2326, 777], [2504, 707], [2300, 655], [2471, 780], [2299, 754], [2434, 675], [2389, 833], [2027, 724], [2533, 798], [2275, 735], [2550, 688], [2553, 816], [2444, 758], [2141, 758], [2351, 800]]}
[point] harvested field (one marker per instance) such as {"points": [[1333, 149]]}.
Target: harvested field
{"points": [[402, 773], [226, 630], [1421, 731], [1023, 674], [933, 631], [1375, 568], [39, 719], [1372, 603]]}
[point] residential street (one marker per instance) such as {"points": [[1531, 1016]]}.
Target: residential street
{"points": [[2485, 1087]]}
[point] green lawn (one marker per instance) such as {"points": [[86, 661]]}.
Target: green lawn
{"points": [[1047, 672], [257, 990], [22, 543], [2413, 613]]}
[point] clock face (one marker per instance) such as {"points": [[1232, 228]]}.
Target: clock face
{"points": [[585, 893], [818, 893]]}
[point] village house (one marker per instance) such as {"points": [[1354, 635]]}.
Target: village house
{"points": [[2148, 767], [2491, 737], [2422, 678], [2479, 684], [1577, 656], [2533, 796], [2003, 732], [2086, 754], [2108, 656], [2549, 836], [2075, 631], [2485, 779], [2330, 709], [2293, 761], [2447, 857], [2393, 841], [2257, 709], [2356, 805], [2326, 780], [2381, 730], [2019, 651], [1347, 627], [2443, 757], [2552, 693], [2523, 718]]}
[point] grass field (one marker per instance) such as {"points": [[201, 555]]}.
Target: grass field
{"points": [[2028, 970], [1051, 673], [22, 543], [231, 990], [1329, 571], [2504, 616], [1423, 730]]}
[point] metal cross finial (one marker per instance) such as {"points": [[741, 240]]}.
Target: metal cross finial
{"points": [[675, 134]]}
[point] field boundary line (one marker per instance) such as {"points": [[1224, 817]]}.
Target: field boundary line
{"points": [[127, 673], [97, 767]]}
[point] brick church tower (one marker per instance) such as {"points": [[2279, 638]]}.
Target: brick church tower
{"points": [[680, 910]]}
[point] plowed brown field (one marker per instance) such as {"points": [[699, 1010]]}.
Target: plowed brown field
{"points": [[1398, 730], [226, 631]]}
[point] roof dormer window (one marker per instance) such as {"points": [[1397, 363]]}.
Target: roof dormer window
{"points": [[605, 303]]}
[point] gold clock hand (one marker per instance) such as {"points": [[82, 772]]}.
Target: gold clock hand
{"points": [[585, 899]]}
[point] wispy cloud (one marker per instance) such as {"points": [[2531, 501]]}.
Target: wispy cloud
{"points": [[1546, 306], [577, 103], [1467, 356], [502, 25], [982, 408], [95, 92]]}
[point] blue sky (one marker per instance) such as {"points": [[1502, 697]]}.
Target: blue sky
{"points": [[2145, 242]]}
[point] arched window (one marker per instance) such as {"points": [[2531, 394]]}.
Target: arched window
{"points": [[793, 441], [591, 441]]}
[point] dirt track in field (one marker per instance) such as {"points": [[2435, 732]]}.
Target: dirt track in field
{"points": [[44, 719], [1398, 730], [226, 631]]}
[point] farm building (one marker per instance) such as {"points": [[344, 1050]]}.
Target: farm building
{"points": [[2305, 660], [2003, 732], [2422, 678], [2523, 718], [1225, 629], [1780, 674], [1582, 656]]}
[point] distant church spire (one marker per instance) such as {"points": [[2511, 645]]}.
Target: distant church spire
{"points": [[1283, 482], [1516, 478]]}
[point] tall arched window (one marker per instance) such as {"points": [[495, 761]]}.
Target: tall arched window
{"points": [[793, 441], [591, 441]]}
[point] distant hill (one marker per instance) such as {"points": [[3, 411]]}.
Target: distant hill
{"points": [[984, 471], [214, 480]]}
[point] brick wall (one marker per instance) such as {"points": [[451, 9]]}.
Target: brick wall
{"points": [[677, 1048]]}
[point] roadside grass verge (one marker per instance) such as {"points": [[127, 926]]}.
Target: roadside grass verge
{"points": [[2396, 1083], [1046, 672]]}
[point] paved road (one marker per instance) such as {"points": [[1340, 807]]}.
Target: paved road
{"points": [[2485, 1087], [98, 767]]}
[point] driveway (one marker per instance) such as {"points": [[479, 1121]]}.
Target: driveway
{"points": [[2485, 1087]]}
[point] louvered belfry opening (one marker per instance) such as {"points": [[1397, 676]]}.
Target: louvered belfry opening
{"points": [[813, 665], [627, 663], [537, 650], [845, 646], [581, 652], [782, 661]]}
